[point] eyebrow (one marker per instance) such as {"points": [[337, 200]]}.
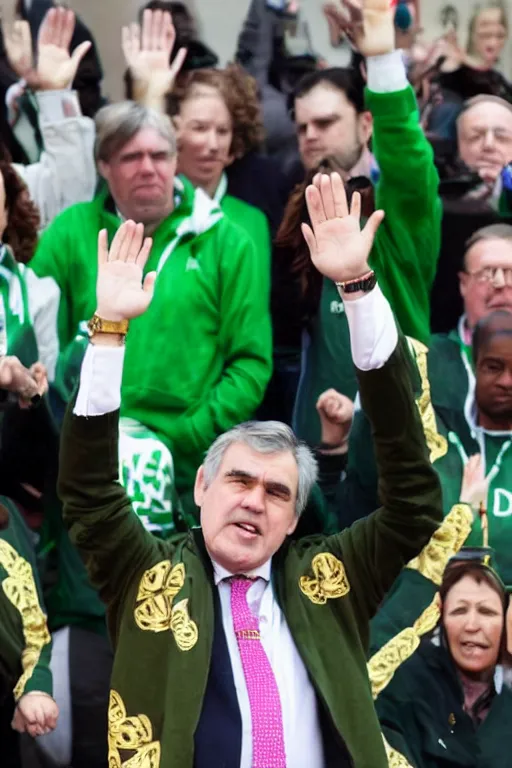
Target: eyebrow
{"points": [[273, 485], [322, 119]]}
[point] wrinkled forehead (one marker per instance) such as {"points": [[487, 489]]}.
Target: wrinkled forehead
{"points": [[486, 115], [489, 252], [278, 467]]}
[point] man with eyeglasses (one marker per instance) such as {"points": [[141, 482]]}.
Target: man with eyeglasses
{"points": [[447, 383], [484, 136]]}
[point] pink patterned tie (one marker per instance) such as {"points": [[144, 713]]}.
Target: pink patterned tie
{"points": [[267, 719]]}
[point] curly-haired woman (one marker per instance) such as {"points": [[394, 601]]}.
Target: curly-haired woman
{"points": [[27, 303], [218, 120]]}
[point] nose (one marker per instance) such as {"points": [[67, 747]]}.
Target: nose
{"points": [[472, 623], [505, 380], [213, 140], [311, 132], [499, 280], [489, 139], [254, 499], [146, 165]]}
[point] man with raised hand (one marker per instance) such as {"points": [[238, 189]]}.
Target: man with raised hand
{"points": [[233, 640]]}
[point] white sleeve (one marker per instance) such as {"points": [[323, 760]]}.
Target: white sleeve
{"points": [[100, 381], [65, 173], [387, 74], [373, 331], [43, 301]]}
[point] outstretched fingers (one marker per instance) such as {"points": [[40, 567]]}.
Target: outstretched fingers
{"points": [[315, 206]]}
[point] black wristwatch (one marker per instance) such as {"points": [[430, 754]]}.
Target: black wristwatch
{"points": [[365, 283]]}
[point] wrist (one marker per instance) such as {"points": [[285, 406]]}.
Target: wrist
{"points": [[107, 340]]}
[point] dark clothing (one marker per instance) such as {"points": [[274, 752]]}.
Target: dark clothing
{"points": [[327, 587], [258, 180], [422, 716]]}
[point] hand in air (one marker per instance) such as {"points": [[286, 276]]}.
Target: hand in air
{"points": [[121, 291], [339, 248]]}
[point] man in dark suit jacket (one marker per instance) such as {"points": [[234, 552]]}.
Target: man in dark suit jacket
{"points": [[234, 645]]}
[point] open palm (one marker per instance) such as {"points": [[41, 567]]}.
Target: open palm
{"points": [[339, 248], [147, 52], [56, 68], [121, 292]]}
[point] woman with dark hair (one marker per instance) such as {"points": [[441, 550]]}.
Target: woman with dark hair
{"points": [[446, 704]]}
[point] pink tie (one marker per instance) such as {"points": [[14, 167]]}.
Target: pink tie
{"points": [[267, 719]]}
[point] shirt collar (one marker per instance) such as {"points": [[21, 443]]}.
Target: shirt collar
{"points": [[221, 574]]}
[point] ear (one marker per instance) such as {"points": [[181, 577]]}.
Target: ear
{"points": [[463, 284], [104, 170], [366, 126], [199, 487], [293, 525]]}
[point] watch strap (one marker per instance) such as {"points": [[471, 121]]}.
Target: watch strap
{"points": [[98, 324], [365, 283]]}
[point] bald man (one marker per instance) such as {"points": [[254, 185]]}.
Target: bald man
{"points": [[484, 134]]}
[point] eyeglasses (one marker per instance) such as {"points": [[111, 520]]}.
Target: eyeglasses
{"points": [[498, 276]]}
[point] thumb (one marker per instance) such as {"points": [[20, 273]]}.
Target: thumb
{"points": [[371, 228], [79, 53], [149, 283]]}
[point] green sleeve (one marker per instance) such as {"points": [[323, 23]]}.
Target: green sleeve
{"points": [[113, 544], [245, 336], [375, 549], [25, 641], [407, 245]]}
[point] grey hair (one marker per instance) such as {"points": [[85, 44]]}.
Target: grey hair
{"points": [[482, 98], [117, 124], [266, 437]]}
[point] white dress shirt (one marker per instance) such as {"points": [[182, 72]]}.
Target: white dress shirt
{"points": [[374, 337]]}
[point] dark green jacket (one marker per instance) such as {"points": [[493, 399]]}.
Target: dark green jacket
{"points": [[422, 716], [25, 642], [159, 594]]}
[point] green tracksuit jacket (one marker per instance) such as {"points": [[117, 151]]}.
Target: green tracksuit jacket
{"points": [[198, 361]]}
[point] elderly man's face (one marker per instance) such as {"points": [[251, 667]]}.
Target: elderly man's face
{"points": [[141, 177], [249, 508], [486, 283], [485, 139]]}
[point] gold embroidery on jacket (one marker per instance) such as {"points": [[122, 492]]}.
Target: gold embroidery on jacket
{"points": [[330, 579], [130, 734], [437, 444], [383, 665], [395, 758], [184, 629], [444, 544], [20, 589], [155, 611]]}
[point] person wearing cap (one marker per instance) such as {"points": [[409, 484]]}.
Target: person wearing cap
{"points": [[443, 703]]}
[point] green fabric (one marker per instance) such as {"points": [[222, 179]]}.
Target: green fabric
{"points": [[404, 255], [332, 638], [17, 335], [422, 715], [207, 329], [252, 221], [12, 617]]}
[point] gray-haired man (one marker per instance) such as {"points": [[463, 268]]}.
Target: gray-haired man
{"points": [[234, 644], [199, 361]]}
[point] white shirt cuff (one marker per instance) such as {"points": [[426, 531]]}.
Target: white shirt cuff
{"points": [[387, 74], [55, 106], [373, 331], [100, 381]]}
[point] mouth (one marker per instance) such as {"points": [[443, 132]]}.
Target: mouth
{"points": [[471, 647], [248, 530]]}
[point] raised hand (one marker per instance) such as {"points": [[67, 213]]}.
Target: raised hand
{"points": [[475, 485], [339, 248], [36, 714], [121, 293], [56, 68], [336, 412], [18, 46], [370, 25], [147, 53]]}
